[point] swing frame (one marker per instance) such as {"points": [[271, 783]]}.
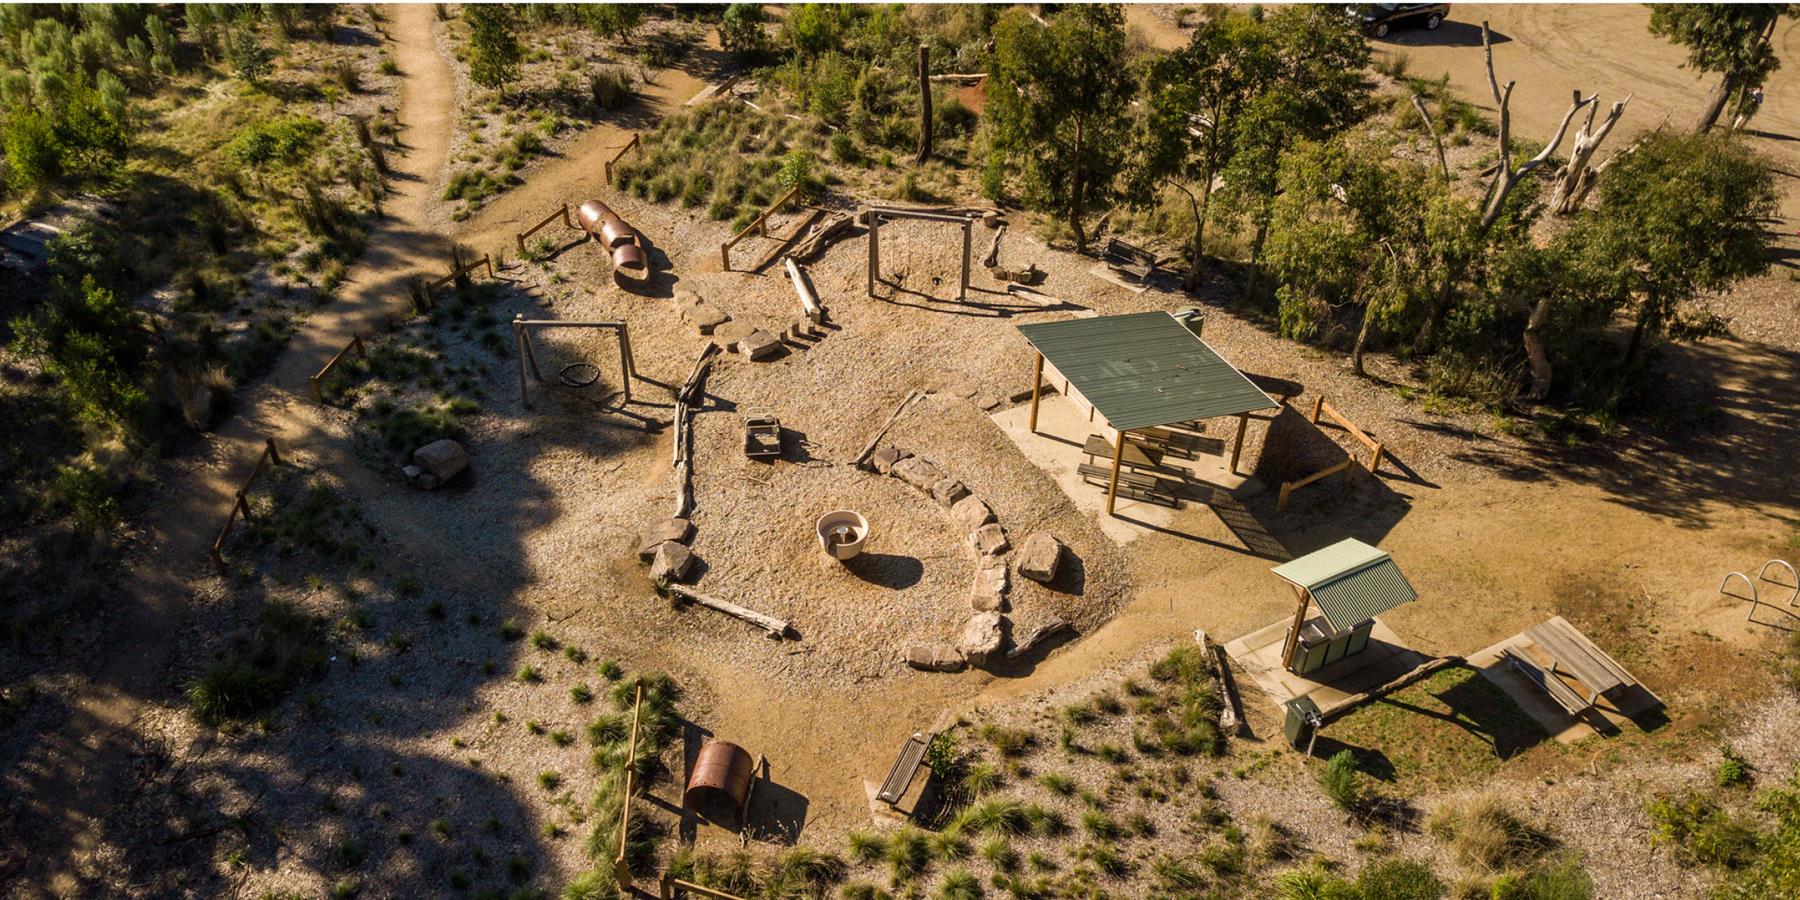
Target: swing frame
{"points": [[522, 328], [873, 218]]}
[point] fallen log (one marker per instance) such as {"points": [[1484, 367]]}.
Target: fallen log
{"points": [[776, 628], [1231, 717], [821, 234], [809, 301], [993, 254], [869, 448], [1418, 672]]}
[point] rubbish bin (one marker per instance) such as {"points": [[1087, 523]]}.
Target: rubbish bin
{"points": [[1302, 721], [1193, 317]]}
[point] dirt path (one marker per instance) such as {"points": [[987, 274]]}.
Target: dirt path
{"points": [[578, 173], [80, 772]]}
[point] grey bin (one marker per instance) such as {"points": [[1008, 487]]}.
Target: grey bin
{"points": [[1302, 719]]}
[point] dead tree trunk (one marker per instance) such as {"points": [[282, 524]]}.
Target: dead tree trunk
{"points": [[1507, 175], [1578, 177], [1535, 352], [1436, 139], [924, 105]]}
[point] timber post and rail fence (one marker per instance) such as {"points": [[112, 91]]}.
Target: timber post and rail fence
{"points": [[563, 213], [240, 506], [635, 142], [760, 225], [317, 381]]}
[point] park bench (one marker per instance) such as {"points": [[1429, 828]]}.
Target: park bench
{"points": [[905, 768], [1126, 259], [1177, 443]]}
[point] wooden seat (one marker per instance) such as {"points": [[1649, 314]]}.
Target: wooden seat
{"points": [[1183, 444], [1547, 681], [906, 767], [1134, 485]]}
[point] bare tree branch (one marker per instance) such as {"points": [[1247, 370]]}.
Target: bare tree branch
{"points": [[1419, 104]]}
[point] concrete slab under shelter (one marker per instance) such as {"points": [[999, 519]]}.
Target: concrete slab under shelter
{"points": [[1056, 446], [1259, 653]]}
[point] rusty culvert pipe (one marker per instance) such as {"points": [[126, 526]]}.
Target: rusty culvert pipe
{"points": [[629, 258], [615, 232], [595, 216], [721, 769]]}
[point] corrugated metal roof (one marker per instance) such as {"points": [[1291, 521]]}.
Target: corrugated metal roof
{"points": [[1145, 369], [1351, 581]]}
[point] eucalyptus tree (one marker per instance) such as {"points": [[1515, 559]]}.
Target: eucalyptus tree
{"points": [[1058, 99]]}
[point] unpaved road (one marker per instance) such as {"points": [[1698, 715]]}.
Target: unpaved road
{"points": [[77, 774]]}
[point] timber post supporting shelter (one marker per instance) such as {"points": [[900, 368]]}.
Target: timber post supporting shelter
{"points": [[1351, 582], [564, 213], [636, 140], [760, 225], [528, 354], [1320, 405], [317, 381], [873, 216], [240, 504], [1137, 372], [621, 868]]}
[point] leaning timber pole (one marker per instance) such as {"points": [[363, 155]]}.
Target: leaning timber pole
{"points": [[924, 105]]}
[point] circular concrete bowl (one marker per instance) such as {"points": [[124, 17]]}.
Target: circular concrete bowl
{"points": [[842, 533]]}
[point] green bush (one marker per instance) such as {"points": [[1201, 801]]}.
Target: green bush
{"points": [[1399, 879], [1341, 781], [284, 140], [609, 88], [1702, 830], [286, 647]]}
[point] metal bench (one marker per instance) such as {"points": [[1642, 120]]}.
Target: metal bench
{"points": [[906, 767]]}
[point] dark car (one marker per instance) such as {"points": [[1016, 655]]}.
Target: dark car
{"points": [[1380, 18]]}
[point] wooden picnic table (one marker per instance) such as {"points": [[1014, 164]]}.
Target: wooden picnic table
{"points": [[1135, 456], [1574, 653]]}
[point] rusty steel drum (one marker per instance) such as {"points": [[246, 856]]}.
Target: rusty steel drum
{"points": [[721, 769], [629, 258]]}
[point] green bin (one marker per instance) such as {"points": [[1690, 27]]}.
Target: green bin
{"points": [[1302, 713]]}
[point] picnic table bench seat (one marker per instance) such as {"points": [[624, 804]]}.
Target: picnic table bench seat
{"points": [[1135, 485], [1182, 444], [1567, 666], [1548, 682]]}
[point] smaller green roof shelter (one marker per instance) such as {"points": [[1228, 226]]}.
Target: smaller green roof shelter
{"points": [[1140, 370], [1351, 582]]}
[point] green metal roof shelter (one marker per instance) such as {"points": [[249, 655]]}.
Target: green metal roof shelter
{"points": [[1351, 582], [1140, 370]]}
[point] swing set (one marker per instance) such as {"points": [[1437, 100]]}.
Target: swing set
{"points": [[877, 214]]}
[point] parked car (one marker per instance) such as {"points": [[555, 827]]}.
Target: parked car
{"points": [[1380, 18]]}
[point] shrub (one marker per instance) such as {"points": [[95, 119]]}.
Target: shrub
{"points": [[1562, 879], [1341, 781], [907, 853], [286, 140], [1483, 832], [581, 693], [1701, 830], [843, 149], [1733, 770], [866, 846], [286, 647], [959, 885], [1399, 879]]}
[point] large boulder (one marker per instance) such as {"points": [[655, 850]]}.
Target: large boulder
{"points": [[1039, 557], [884, 459], [982, 637], [442, 459], [989, 540], [759, 345], [662, 530], [988, 594], [705, 317], [935, 657], [670, 563], [971, 513], [917, 471], [947, 491]]}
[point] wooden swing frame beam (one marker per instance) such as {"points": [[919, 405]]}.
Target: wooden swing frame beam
{"points": [[873, 218]]}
